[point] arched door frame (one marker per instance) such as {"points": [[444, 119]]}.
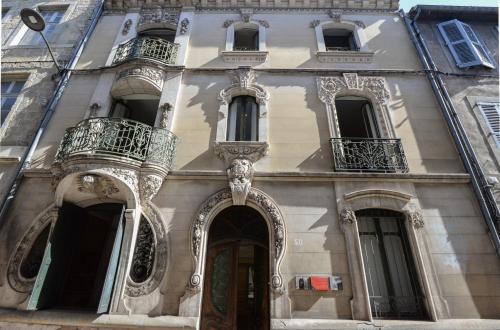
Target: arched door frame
{"points": [[270, 212]]}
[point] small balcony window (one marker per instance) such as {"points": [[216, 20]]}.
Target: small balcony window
{"points": [[339, 40], [141, 110], [243, 119], [165, 34], [356, 118], [246, 39]]}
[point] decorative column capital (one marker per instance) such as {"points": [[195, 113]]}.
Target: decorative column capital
{"points": [[347, 216], [416, 219]]}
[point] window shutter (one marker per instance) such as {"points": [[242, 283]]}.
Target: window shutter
{"points": [[464, 45], [491, 113]]}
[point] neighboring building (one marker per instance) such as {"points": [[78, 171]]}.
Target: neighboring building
{"points": [[460, 45], [27, 73], [315, 182]]}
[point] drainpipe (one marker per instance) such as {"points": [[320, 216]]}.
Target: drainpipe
{"points": [[56, 96], [480, 186]]}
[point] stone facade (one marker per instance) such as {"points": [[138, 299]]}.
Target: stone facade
{"points": [[287, 175], [33, 64]]}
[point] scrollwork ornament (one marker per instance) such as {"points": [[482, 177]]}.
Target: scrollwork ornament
{"points": [[240, 175], [228, 23], [126, 26], [165, 109], [264, 23], [314, 23], [416, 220]]}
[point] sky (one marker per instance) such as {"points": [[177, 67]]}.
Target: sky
{"points": [[407, 4]]}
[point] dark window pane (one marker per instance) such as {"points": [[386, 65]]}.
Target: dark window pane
{"points": [[7, 103]]}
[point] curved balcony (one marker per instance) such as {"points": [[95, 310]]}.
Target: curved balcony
{"points": [[150, 48], [122, 139], [368, 155]]}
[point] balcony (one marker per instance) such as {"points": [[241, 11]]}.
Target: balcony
{"points": [[150, 48], [368, 155], [118, 139]]}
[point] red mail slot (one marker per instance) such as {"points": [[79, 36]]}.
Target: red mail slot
{"points": [[320, 283]]}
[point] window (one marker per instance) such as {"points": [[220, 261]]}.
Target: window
{"points": [[243, 119], [339, 40], [52, 18], [356, 118], [246, 39], [10, 92], [138, 108], [491, 114], [389, 267], [464, 45]]}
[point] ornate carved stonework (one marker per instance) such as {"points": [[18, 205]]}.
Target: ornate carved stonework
{"points": [[165, 109], [126, 26], [149, 186], [244, 79], [234, 56], [345, 56], [416, 219], [264, 23], [98, 185], [159, 16], [347, 216], [351, 80], [336, 16], [200, 227], [240, 175], [146, 72], [16, 280], [227, 23], [184, 26], [239, 157], [94, 108], [160, 259]]}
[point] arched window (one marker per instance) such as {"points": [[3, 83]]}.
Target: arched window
{"points": [[243, 119], [337, 39], [356, 117], [246, 38]]}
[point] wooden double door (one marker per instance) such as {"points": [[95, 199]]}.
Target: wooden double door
{"points": [[236, 288]]}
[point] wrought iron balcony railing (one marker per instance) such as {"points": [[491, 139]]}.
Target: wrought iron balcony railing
{"points": [[147, 48], [119, 137], [369, 155], [398, 307]]}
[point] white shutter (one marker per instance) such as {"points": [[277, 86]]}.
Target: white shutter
{"points": [[491, 114], [464, 45]]}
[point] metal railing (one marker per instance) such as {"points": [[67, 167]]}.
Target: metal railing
{"points": [[398, 307], [118, 137], [344, 49], [147, 48], [245, 48], [368, 155]]}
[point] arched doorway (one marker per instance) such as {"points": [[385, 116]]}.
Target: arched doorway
{"points": [[236, 286]]}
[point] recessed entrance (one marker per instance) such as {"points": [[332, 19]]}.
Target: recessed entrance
{"points": [[80, 260], [236, 290]]}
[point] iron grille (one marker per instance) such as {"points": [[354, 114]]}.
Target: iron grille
{"points": [[147, 48], [398, 307], [245, 48], [120, 137], [344, 49], [370, 155]]}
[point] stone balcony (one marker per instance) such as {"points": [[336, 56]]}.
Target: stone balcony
{"points": [[368, 155], [113, 158], [147, 48]]}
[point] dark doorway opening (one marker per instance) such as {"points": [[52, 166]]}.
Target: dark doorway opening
{"points": [[236, 290], [80, 260], [356, 118]]}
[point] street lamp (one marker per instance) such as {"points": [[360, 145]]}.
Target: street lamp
{"points": [[34, 21]]}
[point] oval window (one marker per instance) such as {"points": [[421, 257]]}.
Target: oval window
{"points": [[31, 263], [144, 253]]}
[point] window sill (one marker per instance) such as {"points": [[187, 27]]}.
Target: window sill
{"points": [[345, 56], [244, 56], [11, 154]]}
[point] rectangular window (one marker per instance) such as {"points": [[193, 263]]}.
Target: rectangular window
{"points": [[491, 114], [52, 18], [464, 45], [10, 92]]}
